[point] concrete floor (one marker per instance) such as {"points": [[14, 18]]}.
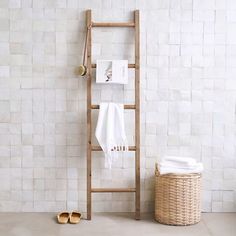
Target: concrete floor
{"points": [[113, 224]]}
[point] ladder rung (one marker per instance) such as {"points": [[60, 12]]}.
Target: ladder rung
{"points": [[98, 148], [113, 24], [112, 190], [127, 107], [129, 65]]}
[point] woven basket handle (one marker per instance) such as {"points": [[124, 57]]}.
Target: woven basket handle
{"points": [[156, 169]]}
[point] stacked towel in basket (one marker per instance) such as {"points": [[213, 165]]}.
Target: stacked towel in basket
{"points": [[179, 165]]}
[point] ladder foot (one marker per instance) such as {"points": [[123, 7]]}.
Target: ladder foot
{"points": [[137, 215]]}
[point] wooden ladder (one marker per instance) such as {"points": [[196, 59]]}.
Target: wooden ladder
{"points": [[136, 107]]}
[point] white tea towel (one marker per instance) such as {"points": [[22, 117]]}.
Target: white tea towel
{"points": [[171, 170], [112, 71], [110, 130]]}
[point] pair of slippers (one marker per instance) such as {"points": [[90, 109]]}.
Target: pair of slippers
{"points": [[65, 217]]}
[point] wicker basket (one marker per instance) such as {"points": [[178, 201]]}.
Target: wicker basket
{"points": [[177, 198]]}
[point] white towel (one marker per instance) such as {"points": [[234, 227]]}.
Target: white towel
{"points": [[188, 161], [170, 164], [170, 170], [112, 71], [110, 130]]}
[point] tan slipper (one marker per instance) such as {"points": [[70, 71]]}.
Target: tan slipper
{"points": [[75, 217], [63, 217]]}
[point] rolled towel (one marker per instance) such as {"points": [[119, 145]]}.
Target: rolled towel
{"points": [[180, 160], [171, 170]]}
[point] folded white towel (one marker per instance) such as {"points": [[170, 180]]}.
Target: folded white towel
{"points": [[179, 165], [180, 160], [170, 164], [110, 130], [168, 170]]}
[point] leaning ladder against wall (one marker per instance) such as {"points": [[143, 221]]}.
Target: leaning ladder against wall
{"points": [[136, 107]]}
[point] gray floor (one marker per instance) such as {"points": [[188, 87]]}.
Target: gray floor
{"points": [[44, 224]]}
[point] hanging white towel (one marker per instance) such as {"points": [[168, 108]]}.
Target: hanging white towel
{"points": [[112, 71], [110, 130]]}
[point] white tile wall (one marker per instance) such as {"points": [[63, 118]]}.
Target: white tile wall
{"points": [[188, 99]]}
